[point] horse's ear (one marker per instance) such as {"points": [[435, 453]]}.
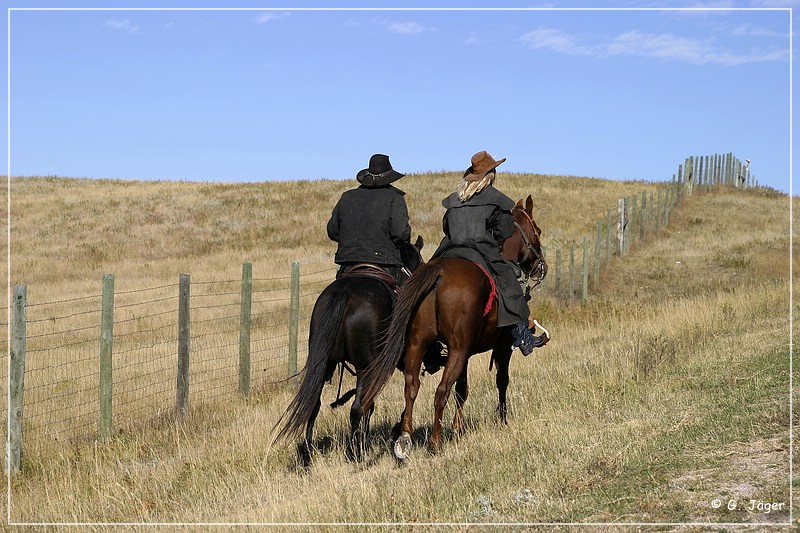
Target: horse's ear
{"points": [[419, 243], [528, 205], [519, 204]]}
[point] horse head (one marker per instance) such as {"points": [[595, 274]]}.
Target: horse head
{"points": [[410, 254], [525, 245]]}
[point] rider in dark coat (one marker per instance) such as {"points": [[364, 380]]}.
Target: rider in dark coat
{"points": [[478, 219], [371, 221]]}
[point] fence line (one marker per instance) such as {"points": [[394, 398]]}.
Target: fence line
{"points": [[576, 265], [71, 394]]}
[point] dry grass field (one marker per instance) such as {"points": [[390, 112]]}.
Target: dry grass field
{"points": [[665, 393]]}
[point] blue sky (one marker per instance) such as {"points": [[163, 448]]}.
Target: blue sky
{"points": [[252, 95]]}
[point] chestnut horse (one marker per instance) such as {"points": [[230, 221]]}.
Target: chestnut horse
{"points": [[445, 301], [346, 322]]}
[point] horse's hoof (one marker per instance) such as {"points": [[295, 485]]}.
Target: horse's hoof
{"points": [[402, 447], [502, 414], [304, 454]]}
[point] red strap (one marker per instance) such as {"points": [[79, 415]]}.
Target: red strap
{"points": [[492, 294]]}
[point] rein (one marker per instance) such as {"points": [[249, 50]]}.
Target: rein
{"points": [[530, 252]]}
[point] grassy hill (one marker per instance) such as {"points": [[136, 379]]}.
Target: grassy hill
{"points": [[663, 394]]}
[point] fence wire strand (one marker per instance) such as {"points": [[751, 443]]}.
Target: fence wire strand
{"points": [[62, 372]]}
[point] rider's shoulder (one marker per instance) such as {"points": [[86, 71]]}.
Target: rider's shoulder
{"points": [[386, 190], [495, 197], [488, 196]]}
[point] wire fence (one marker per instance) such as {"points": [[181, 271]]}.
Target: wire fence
{"points": [[61, 377], [576, 266]]}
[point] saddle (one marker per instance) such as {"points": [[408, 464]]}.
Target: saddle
{"points": [[371, 271]]}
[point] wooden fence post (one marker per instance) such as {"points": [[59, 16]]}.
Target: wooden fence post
{"points": [[622, 223], [739, 181], [643, 218], [585, 293], [658, 211], [294, 321], [597, 253], [106, 365], [702, 179], [184, 339], [668, 189], [244, 329], [699, 172], [714, 169], [667, 204], [16, 379], [729, 167], [558, 273], [572, 272], [629, 214]]}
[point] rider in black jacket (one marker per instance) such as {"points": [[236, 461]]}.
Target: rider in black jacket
{"points": [[371, 222]]}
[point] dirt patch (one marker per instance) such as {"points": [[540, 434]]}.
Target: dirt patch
{"points": [[751, 486]]}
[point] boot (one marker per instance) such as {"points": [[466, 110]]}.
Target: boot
{"points": [[525, 340]]}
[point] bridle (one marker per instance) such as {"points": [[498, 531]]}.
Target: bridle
{"points": [[538, 269], [406, 269]]}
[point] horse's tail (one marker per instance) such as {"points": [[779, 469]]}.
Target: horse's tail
{"points": [[326, 319], [410, 295]]}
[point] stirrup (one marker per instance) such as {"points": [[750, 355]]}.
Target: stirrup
{"points": [[526, 341]]}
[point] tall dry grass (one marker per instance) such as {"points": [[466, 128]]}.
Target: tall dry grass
{"points": [[668, 389]]}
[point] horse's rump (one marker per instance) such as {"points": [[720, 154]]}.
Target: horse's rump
{"points": [[443, 284], [345, 322], [465, 292], [473, 256]]}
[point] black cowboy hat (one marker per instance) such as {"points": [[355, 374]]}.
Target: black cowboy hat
{"points": [[379, 173]]}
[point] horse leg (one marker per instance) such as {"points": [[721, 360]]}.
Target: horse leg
{"points": [[455, 367], [502, 359], [367, 416], [462, 391], [359, 437], [356, 433], [396, 427], [307, 445], [413, 365]]}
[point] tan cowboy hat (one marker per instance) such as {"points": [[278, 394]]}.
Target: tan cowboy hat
{"points": [[482, 164]]}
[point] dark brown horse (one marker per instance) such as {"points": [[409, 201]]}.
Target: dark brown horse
{"points": [[444, 301], [345, 328]]}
